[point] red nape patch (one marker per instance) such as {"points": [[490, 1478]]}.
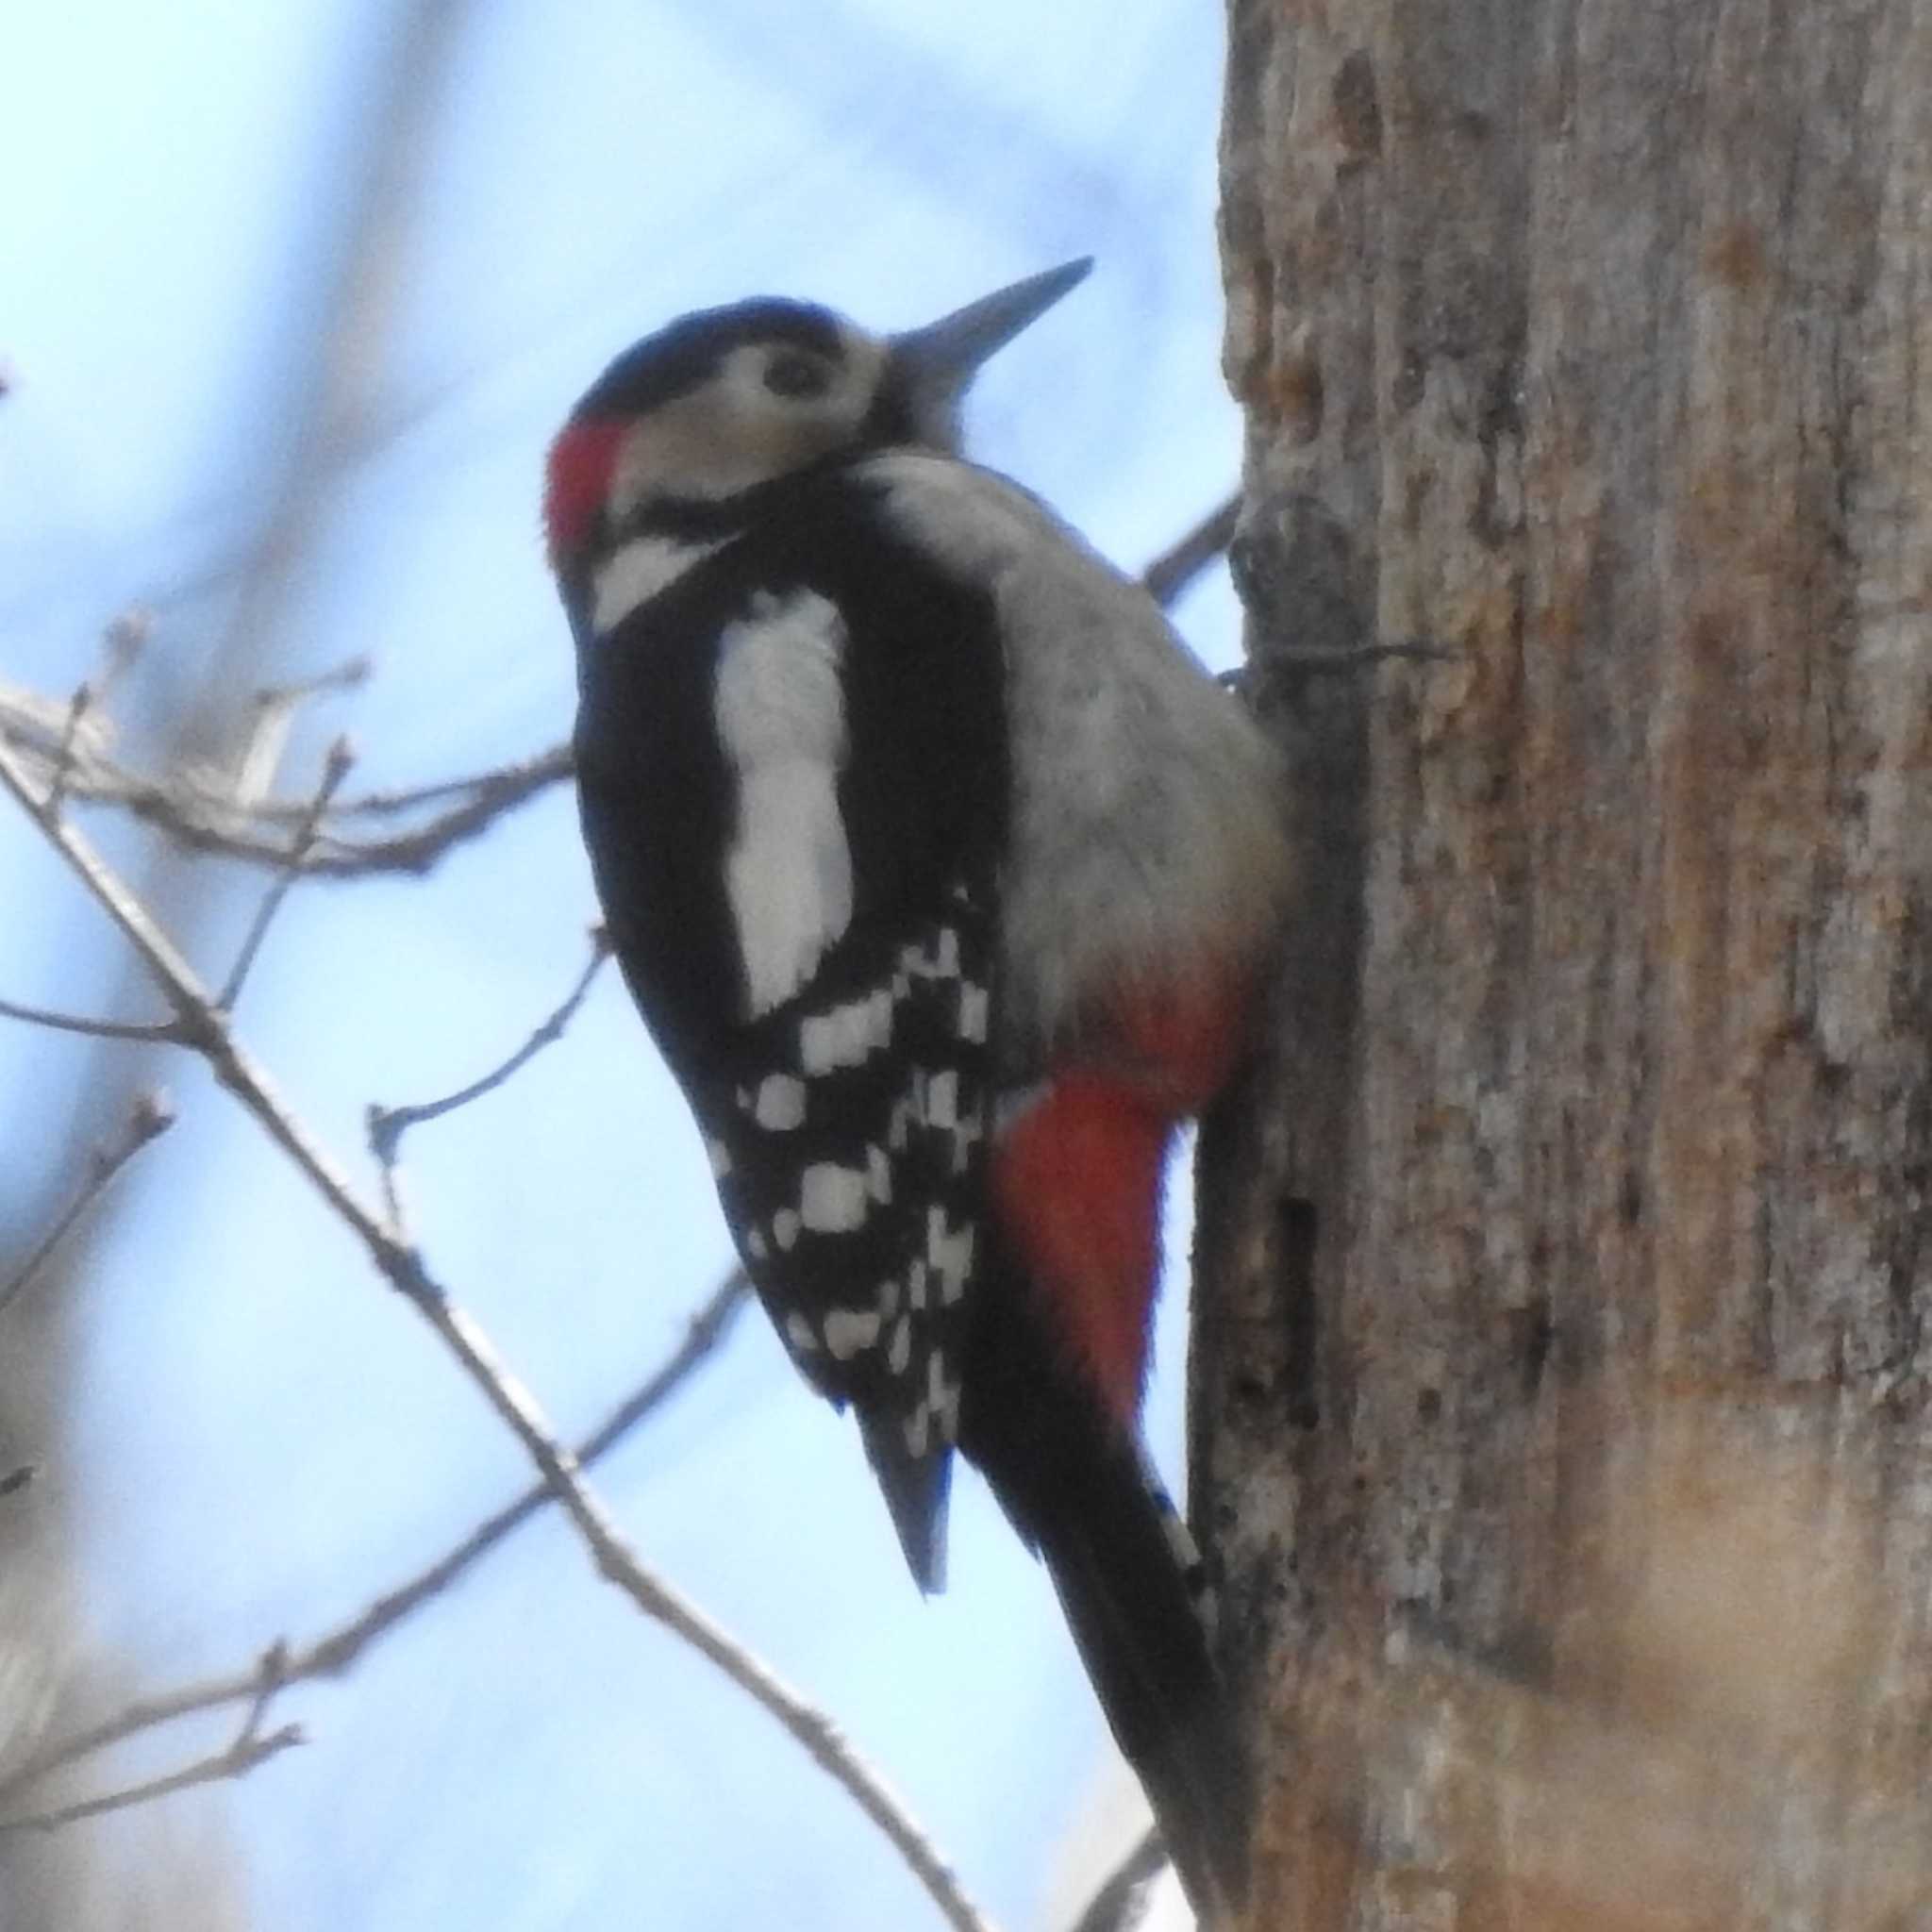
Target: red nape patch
{"points": [[1077, 1180], [576, 482], [1186, 1041]]}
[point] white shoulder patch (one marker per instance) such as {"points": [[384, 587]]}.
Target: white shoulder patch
{"points": [[970, 520], [635, 572], [780, 707]]}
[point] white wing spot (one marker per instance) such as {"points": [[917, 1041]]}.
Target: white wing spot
{"points": [[849, 1330], [974, 1003], [917, 1430], [889, 1300], [832, 1199], [847, 1035], [755, 1244], [785, 1230], [719, 1155], [942, 962], [798, 1332], [780, 710], [950, 1252], [780, 1103], [943, 1396], [915, 1285], [942, 1099], [878, 1173], [899, 1353], [968, 1129]]}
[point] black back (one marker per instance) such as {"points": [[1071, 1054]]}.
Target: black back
{"points": [[923, 797]]}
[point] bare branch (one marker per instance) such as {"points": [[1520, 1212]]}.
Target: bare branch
{"points": [[149, 1116], [250, 1748], [198, 809], [388, 1125], [1182, 561], [33, 725], [337, 1652], [350, 675], [482, 800], [208, 1032], [335, 768], [77, 708], [237, 1760], [557, 762], [1117, 1906], [150, 1030]]}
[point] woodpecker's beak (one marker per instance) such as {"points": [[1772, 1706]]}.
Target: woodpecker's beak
{"points": [[939, 362]]}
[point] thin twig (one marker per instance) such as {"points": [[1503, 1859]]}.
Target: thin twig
{"points": [[350, 675], [250, 1748], [209, 1033], [237, 1760], [486, 798], [400, 803], [198, 809], [150, 1030], [149, 1116], [335, 768], [1182, 561], [1117, 1906], [1280, 666], [335, 1653], [78, 708], [388, 1125]]}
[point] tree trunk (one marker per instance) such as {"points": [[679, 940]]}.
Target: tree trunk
{"points": [[1561, 1418]]}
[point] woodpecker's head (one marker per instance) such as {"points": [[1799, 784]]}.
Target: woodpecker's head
{"points": [[722, 401]]}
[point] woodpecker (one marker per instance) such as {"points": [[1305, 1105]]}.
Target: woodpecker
{"points": [[945, 880]]}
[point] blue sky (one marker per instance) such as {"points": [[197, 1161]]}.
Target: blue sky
{"points": [[261, 1435]]}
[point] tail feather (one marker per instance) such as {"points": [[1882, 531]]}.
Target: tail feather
{"points": [[916, 1489], [1133, 1619], [1079, 1492]]}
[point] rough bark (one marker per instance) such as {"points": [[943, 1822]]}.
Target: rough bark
{"points": [[1561, 1412]]}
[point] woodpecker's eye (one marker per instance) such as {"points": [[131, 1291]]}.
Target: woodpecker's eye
{"points": [[797, 375]]}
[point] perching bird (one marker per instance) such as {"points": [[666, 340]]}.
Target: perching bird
{"points": [[945, 880]]}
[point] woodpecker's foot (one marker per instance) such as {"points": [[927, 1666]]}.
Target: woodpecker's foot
{"points": [[1254, 680]]}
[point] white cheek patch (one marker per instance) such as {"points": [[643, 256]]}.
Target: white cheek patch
{"points": [[731, 433], [638, 572], [781, 719]]}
